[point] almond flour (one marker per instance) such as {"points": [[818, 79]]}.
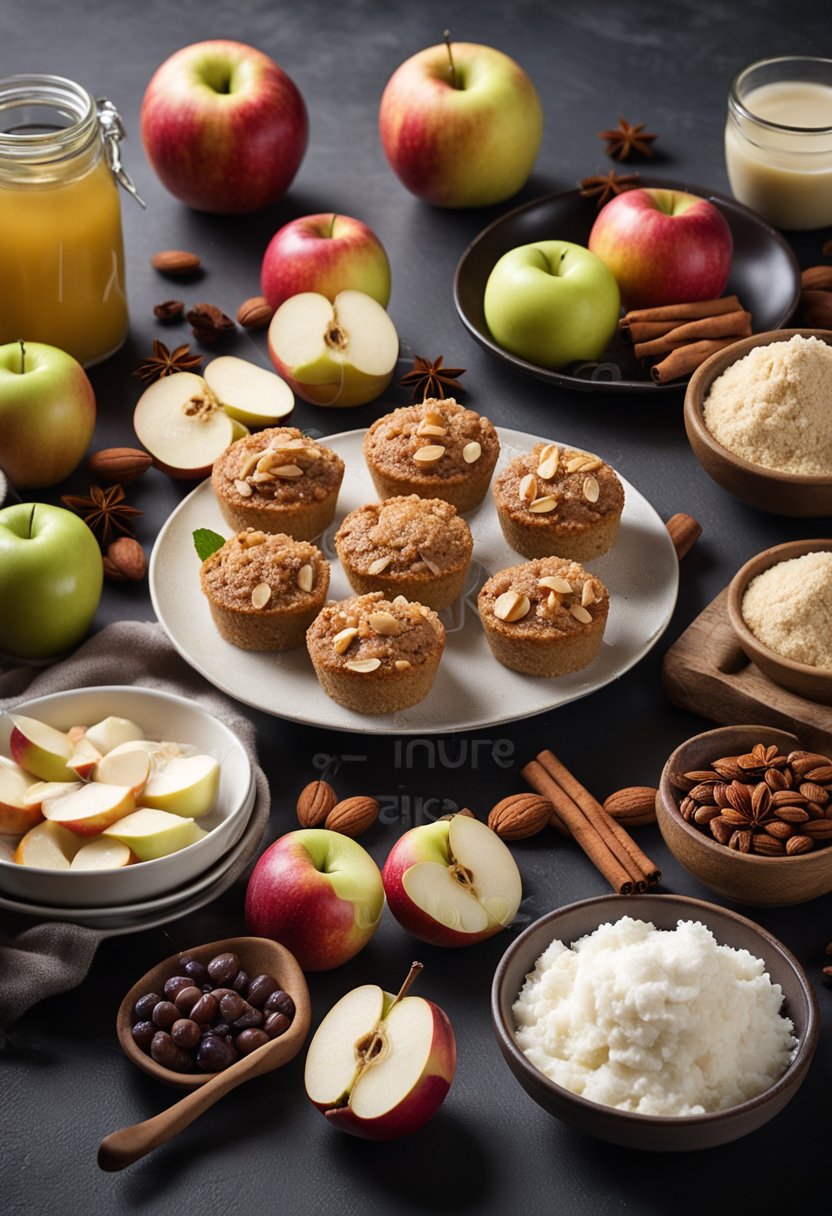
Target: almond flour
{"points": [[774, 407], [789, 609]]}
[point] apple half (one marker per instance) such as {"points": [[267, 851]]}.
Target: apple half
{"points": [[453, 882], [251, 394], [183, 425], [334, 353], [379, 1066]]}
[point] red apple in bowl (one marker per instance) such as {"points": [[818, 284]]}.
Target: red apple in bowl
{"points": [[324, 253], [224, 127], [663, 246], [461, 125]]}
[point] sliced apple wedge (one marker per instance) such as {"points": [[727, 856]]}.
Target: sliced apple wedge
{"points": [[112, 732], [186, 785], [335, 353], [37, 794], [126, 765], [90, 809], [101, 853], [16, 815], [150, 833], [183, 426], [251, 394], [42, 750], [83, 760], [48, 846]]}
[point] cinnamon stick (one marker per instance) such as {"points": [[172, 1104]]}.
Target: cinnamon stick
{"points": [[583, 832], [608, 828], [685, 359], [644, 331], [683, 312], [684, 532], [735, 324]]}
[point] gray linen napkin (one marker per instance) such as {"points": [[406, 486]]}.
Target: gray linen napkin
{"points": [[42, 958]]}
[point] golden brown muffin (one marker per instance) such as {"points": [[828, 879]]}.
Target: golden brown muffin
{"points": [[375, 655], [559, 502], [436, 449], [265, 589], [278, 480], [411, 546], [544, 618]]}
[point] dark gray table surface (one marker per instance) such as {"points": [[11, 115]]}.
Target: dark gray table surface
{"points": [[65, 1083]]}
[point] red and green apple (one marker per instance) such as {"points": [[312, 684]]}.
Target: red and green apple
{"points": [[325, 253]]}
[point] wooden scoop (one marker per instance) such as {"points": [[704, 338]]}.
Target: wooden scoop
{"points": [[258, 956]]}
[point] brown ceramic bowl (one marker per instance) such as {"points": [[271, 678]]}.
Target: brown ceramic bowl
{"points": [[660, 1133], [766, 489], [258, 956], [745, 878], [806, 681]]}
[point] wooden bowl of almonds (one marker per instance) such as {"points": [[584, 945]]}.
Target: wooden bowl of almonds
{"points": [[747, 810]]}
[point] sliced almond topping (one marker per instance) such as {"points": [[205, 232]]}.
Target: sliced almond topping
{"points": [[431, 428], [401, 599], [591, 489], [552, 601], [259, 478], [542, 506], [574, 464], [580, 614], [343, 640], [312, 453], [288, 445], [431, 565], [261, 595], [401, 664], [251, 537], [306, 577], [266, 461], [587, 595], [362, 665], [528, 488], [549, 460], [243, 488], [380, 564], [429, 455], [288, 472], [385, 624], [250, 463], [590, 464], [471, 452], [510, 606], [432, 418], [555, 583]]}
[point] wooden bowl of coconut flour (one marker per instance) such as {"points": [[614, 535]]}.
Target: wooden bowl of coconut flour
{"points": [[754, 442]]}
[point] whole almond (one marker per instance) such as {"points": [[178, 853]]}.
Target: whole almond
{"points": [[125, 561], [121, 465], [255, 313], [352, 816], [176, 263], [633, 806], [519, 816], [315, 801]]}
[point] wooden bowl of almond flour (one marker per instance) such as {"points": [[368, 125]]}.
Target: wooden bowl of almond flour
{"points": [[758, 416]]}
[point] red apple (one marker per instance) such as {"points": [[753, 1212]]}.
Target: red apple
{"points": [[461, 125], [224, 127], [325, 253], [318, 893], [663, 246]]}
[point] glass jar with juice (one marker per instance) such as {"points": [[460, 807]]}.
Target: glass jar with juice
{"points": [[61, 250]]}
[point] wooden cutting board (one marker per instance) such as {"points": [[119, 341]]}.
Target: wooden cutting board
{"points": [[707, 672]]}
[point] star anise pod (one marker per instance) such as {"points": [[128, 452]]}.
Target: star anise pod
{"points": [[626, 139], [430, 379], [164, 362], [604, 186], [104, 511]]}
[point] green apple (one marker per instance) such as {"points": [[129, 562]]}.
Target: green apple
{"points": [[150, 833], [47, 414], [552, 303], [185, 785], [50, 580]]}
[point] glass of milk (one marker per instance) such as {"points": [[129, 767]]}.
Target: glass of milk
{"points": [[778, 140]]}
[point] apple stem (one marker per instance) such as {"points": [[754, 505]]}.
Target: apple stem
{"points": [[31, 514], [332, 225], [371, 1049], [414, 971], [447, 37], [22, 356]]}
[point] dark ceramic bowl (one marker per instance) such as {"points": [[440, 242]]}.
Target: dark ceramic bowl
{"points": [[801, 678], [780, 493], [661, 1133]]}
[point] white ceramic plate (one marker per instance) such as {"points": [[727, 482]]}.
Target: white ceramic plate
{"points": [[472, 689]]}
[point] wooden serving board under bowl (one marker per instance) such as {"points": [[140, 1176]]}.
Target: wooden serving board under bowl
{"points": [[706, 671]]}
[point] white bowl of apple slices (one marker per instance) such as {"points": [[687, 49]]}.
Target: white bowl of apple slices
{"points": [[114, 795]]}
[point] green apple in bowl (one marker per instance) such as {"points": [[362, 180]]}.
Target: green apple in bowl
{"points": [[552, 303], [51, 575]]}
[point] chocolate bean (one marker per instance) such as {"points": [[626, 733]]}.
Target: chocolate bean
{"points": [[206, 1010], [249, 1040], [143, 1008], [185, 1033], [281, 1002], [165, 1014], [186, 999], [223, 967], [260, 989]]}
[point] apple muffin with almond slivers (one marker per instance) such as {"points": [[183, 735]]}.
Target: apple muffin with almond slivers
{"points": [[375, 655]]}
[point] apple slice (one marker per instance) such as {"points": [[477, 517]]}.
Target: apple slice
{"points": [[42, 750], [91, 808], [127, 765], [183, 426], [101, 853], [339, 353], [16, 815], [84, 758], [150, 833], [453, 882], [160, 752], [186, 785], [48, 846], [380, 1066], [37, 794], [251, 394], [112, 732]]}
